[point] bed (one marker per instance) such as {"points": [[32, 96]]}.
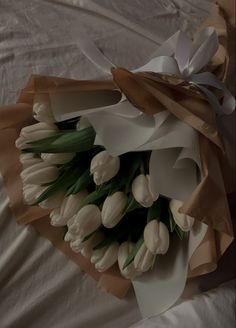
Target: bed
{"points": [[39, 286]]}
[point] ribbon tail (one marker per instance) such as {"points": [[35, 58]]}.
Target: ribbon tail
{"points": [[203, 49], [91, 51], [207, 78], [163, 64], [168, 47]]}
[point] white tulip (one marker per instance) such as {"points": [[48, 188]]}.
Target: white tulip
{"points": [[144, 259], [31, 192], [71, 203], [41, 109], [71, 221], [128, 272], [104, 167], [76, 244], [56, 159], [185, 222], [55, 217], [105, 257], [113, 209], [39, 174], [156, 237], [141, 191], [97, 255], [86, 247], [53, 201], [35, 132], [86, 221], [29, 159], [68, 208], [70, 236]]}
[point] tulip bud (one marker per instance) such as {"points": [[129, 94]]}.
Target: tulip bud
{"points": [[41, 109], [156, 237], [56, 159], [76, 244], [69, 236], [28, 159], [54, 216], [185, 222], [31, 192], [53, 201], [71, 203], [35, 132], [141, 191], [97, 255], [125, 249], [104, 167], [113, 209], [86, 221], [105, 257], [144, 259], [68, 209], [39, 174], [86, 247]]}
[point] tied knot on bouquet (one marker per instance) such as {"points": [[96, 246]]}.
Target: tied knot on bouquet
{"points": [[128, 175]]}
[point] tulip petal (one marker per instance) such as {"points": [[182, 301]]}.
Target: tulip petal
{"points": [[185, 222], [104, 167], [129, 271], [141, 191], [55, 159], [87, 220], [143, 259], [156, 237], [109, 258], [113, 209]]}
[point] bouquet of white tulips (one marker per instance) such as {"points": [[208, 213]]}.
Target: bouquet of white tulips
{"points": [[105, 202], [132, 172]]}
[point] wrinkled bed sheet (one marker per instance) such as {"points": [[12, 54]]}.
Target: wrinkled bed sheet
{"points": [[39, 286]]}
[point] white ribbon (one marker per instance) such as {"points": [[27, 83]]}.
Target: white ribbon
{"points": [[181, 57]]}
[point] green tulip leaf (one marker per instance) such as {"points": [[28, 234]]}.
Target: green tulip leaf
{"points": [[132, 204], [171, 221], [181, 234], [97, 196], [154, 212], [76, 141], [63, 182], [83, 181], [133, 252]]}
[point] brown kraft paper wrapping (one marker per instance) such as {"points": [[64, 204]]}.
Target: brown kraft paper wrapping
{"points": [[150, 94]]}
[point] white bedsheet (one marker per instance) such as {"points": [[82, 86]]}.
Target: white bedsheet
{"points": [[39, 286], [210, 309]]}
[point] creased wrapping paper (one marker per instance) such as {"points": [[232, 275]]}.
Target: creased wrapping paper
{"points": [[144, 88]]}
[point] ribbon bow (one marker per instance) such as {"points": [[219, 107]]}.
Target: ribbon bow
{"points": [[184, 58]]}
